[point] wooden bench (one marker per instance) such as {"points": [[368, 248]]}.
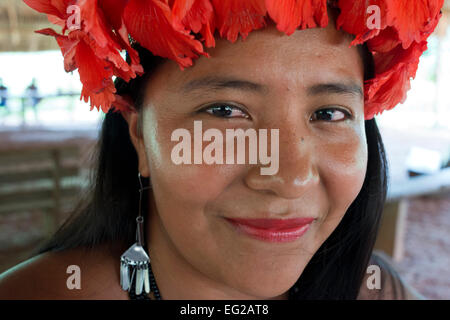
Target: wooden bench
{"points": [[392, 230], [42, 178]]}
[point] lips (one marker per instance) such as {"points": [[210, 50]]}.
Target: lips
{"points": [[272, 230], [273, 224]]}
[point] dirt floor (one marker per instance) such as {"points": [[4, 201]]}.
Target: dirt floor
{"points": [[426, 261], [427, 247]]}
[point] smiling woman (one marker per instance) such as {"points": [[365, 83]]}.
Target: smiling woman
{"points": [[222, 230], [322, 167]]}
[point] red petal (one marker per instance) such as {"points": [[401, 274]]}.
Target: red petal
{"points": [[113, 10], [236, 17], [61, 6], [57, 8], [94, 22], [56, 20], [208, 33], [385, 41], [67, 46], [96, 76], [106, 44], [44, 6], [292, 14], [148, 22], [195, 15], [134, 56], [180, 9], [394, 71], [354, 18], [112, 55], [102, 100], [413, 18]]}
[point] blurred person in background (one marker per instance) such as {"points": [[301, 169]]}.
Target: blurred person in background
{"points": [[32, 97], [3, 95]]}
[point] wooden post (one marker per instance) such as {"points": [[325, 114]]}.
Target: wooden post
{"points": [[392, 229]]}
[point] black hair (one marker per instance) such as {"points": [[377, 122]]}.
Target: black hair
{"points": [[108, 210]]}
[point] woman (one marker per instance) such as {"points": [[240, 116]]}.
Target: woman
{"points": [[331, 174]]}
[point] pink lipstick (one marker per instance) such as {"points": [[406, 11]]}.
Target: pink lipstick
{"points": [[272, 230]]}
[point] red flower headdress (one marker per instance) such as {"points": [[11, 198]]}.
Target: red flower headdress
{"points": [[98, 30]]}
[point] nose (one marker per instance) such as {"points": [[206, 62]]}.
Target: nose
{"points": [[297, 172]]}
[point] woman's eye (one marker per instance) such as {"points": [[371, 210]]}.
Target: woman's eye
{"points": [[226, 111], [331, 115]]}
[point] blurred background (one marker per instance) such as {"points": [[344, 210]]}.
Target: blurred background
{"points": [[47, 135]]}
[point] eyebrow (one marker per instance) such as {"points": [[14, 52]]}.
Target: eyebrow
{"points": [[338, 88], [221, 83]]}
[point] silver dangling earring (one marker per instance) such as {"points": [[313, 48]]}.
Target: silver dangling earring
{"points": [[134, 263]]}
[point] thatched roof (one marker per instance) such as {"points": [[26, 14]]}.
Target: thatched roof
{"points": [[18, 21], [17, 25]]}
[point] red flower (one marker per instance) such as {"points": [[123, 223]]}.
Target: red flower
{"points": [[94, 49], [149, 23], [291, 14], [395, 32], [95, 73], [234, 17], [394, 72]]}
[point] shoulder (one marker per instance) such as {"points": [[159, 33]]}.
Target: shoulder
{"points": [[383, 282], [49, 276]]}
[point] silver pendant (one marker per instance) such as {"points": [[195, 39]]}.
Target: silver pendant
{"points": [[134, 265], [135, 262]]}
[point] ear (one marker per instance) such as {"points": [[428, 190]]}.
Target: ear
{"points": [[132, 117]]}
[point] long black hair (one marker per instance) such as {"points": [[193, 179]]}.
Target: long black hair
{"points": [[106, 214]]}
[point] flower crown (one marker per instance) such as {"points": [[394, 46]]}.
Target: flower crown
{"points": [[395, 32]]}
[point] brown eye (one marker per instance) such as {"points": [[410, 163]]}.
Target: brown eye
{"points": [[331, 115], [226, 111]]}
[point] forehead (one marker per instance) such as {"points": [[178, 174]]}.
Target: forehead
{"points": [[267, 56]]}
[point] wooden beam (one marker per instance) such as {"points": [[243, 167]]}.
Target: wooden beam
{"points": [[13, 22]]}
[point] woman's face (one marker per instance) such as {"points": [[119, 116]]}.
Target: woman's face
{"points": [[195, 251]]}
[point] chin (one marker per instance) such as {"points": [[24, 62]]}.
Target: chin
{"points": [[266, 287]]}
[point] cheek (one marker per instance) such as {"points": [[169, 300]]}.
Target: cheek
{"points": [[189, 186], [343, 172], [182, 193]]}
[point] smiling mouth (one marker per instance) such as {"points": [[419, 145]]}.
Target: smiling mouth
{"points": [[272, 230]]}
